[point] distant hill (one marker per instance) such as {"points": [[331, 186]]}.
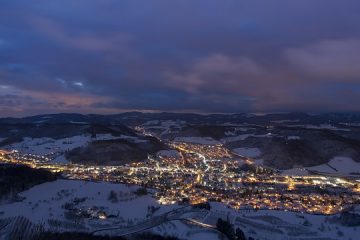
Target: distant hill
{"points": [[115, 152], [284, 139]]}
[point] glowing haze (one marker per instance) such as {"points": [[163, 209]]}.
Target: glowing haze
{"points": [[107, 56]]}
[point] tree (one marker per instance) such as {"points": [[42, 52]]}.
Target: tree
{"points": [[239, 234], [141, 192], [205, 205], [113, 196], [228, 230]]}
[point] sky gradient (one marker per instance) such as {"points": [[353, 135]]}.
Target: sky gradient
{"points": [[110, 56]]}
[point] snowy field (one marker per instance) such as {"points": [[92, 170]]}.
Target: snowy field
{"points": [[280, 225], [164, 127], [185, 231], [293, 138], [198, 140], [248, 152], [67, 205], [42, 146], [321, 126], [351, 124], [243, 137], [46, 201], [343, 166], [57, 147], [168, 153], [295, 172], [339, 165]]}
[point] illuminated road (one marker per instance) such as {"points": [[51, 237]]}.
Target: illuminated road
{"points": [[175, 215]]}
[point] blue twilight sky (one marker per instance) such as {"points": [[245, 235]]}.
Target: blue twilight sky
{"points": [[108, 56]]}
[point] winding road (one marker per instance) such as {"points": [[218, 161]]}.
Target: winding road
{"points": [[174, 215]]}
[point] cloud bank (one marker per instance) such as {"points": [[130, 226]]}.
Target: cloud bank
{"points": [[205, 56]]}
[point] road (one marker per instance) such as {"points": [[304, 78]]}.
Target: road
{"points": [[174, 215]]}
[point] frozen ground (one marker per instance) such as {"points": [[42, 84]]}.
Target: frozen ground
{"points": [[164, 127], [248, 152], [168, 153], [42, 146], [54, 204], [293, 138], [274, 225], [339, 165], [286, 121], [243, 137], [235, 138], [295, 172], [57, 147], [321, 126], [46, 201], [68, 205], [351, 124], [197, 140], [342, 166], [185, 231]]}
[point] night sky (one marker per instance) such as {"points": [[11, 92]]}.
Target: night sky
{"points": [[110, 56]]}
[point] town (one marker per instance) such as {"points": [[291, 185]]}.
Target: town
{"points": [[197, 173]]}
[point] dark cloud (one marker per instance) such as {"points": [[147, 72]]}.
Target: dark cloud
{"points": [[207, 56], [331, 59]]}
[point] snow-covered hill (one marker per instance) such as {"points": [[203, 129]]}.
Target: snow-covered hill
{"points": [[67, 205]]}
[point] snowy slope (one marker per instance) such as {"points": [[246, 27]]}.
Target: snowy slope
{"points": [[57, 147], [46, 201], [45, 204], [197, 140], [248, 152], [339, 165], [280, 225]]}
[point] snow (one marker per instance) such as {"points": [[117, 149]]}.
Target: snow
{"points": [[295, 172], [81, 123], [57, 147], [40, 121], [242, 137], [197, 140], [42, 146], [170, 123], [45, 201], [259, 162], [339, 165], [130, 138], [321, 126], [293, 138], [166, 127], [236, 138], [60, 159], [184, 231], [272, 224], [151, 123], [203, 235], [248, 152], [230, 124], [286, 121], [351, 124], [168, 153], [229, 133]]}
